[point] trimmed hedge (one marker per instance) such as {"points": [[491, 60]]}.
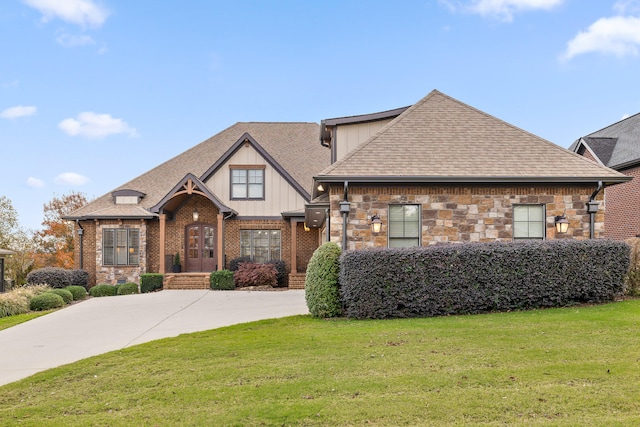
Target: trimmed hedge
{"points": [[65, 294], [79, 292], [281, 272], [250, 274], [322, 289], [79, 277], [46, 301], [53, 276], [128, 288], [103, 290], [222, 280], [234, 264], [150, 282], [476, 277]]}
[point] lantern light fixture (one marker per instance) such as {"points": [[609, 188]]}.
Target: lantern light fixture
{"points": [[562, 223], [195, 215], [376, 224]]}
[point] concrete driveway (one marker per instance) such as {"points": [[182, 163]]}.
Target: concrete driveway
{"points": [[99, 325]]}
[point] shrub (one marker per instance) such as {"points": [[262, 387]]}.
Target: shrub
{"points": [[65, 294], [79, 278], [474, 278], [150, 282], [103, 290], [32, 290], [12, 303], [79, 292], [46, 301], [250, 274], [234, 264], [222, 280], [128, 288], [53, 276], [281, 272], [322, 289], [632, 279]]}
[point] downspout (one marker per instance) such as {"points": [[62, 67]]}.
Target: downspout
{"points": [[80, 234], [345, 208], [327, 227], [592, 208]]}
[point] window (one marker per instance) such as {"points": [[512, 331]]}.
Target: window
{"points": [[528, 222], [404, 226], [120, 246], [247, 183], [260, 245]]}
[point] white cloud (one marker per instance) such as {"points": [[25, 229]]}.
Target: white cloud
{"points": [[35, 182], [95, 126], [71, 178], [73, 40], [501, 9], [19, 111], [618, 35], [85, 13], [625, 116]]}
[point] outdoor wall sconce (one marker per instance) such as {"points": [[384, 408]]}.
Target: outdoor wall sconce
{"points": [[376, 224], [195, 215], [562, 223], [320, 188]]}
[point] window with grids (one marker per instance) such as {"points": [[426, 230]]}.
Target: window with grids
{"points": [[247, 183], [120, 246], [528, 222], [404, 226], [260, 245]]}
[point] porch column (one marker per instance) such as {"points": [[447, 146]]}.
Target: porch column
{"points": [[163, 219], [294, 245], [220, 242]]}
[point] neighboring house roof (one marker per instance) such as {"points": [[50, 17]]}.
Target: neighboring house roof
{"points": [[616, 146], [291, 148], [440, 139]]}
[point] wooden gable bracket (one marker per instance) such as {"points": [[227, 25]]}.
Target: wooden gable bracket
{"points": [[189, 188]]}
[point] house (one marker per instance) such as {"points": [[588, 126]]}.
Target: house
{"points": [[442, 171], [437, 171], [240, 193], [617, 146]]}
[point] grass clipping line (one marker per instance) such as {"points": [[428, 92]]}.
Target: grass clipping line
{"points": [[569, 366]]}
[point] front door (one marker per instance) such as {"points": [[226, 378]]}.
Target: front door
{"points": [[201, 244]]}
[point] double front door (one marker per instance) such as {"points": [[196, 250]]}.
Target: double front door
{"points": [[201, 245]]}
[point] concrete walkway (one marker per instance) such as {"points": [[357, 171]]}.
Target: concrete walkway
{"points": [[99, 325]]}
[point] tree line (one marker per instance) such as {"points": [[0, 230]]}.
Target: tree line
{"points": [[53, 246]]}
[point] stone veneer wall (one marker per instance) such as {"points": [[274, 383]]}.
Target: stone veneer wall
{"points": [[458, 214], [114, 273]]}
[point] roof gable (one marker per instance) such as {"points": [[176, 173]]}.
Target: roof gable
{"points": [[442, 139], [624, 150]]}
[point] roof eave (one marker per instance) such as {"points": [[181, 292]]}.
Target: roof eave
{"points": [[471, 180]]}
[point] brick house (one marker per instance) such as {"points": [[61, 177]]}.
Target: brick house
{"points": [[438, 171], [240, 193], [442, 171], [617, 146]]}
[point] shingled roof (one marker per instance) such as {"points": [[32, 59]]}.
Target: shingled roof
{"points": [[440, 139], [291, 146], [616, 146]]}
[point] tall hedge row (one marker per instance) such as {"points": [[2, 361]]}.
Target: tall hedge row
{"points": [[474, 278]]}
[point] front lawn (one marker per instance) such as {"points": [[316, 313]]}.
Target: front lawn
{"points": [[567, 367]]}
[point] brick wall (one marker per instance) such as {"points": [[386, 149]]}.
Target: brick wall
{"points": [[456, 214], [622, 220], [89, 249]]}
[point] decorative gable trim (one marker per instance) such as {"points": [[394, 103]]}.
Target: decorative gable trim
{"points": [[189, 185], [246, 138]]}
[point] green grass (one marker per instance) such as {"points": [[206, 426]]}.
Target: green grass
{"points": [[560, 367], [9, 321]]}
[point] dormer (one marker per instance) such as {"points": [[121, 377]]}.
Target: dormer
{"points": [[127, 197]]}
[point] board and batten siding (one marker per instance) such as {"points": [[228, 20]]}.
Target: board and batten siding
{"points": [[279, 195], [349, 137]]}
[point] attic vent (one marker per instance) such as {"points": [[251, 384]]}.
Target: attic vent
{"points": [[127, 200]]}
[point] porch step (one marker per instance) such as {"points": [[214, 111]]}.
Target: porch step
{"points": [[296, 280], [186, 281]]}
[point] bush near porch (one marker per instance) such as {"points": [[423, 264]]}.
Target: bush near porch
{"points": [[475, 278]]}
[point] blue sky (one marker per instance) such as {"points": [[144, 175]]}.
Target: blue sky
{"points": [[95, 92]]}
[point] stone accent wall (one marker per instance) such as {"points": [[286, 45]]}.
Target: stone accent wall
{"points": [[621, 219], [459, 214], [121, 273]]}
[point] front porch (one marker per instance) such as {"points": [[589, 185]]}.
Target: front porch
{"points": [[193, 281]]}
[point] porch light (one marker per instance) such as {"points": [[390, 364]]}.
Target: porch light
{"points": [[562, 224], [376, 224], [195, 215], [320, 188]]}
